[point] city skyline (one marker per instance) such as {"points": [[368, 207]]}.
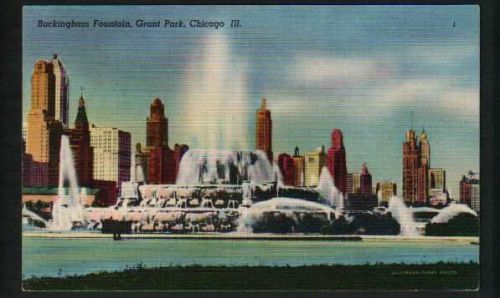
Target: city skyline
{"points": [[366, 86]]}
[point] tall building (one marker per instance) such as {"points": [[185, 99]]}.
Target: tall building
{"points": [[423, 170], [314, 163], [298, 168], [437, 178], [425, 148], [336, 161], [263, 132], [112, 149], [474, 197], [35, 174], [286, 166], [158, 161], [353, 183], [61, 91], [416, 164], [365, 180], [410, 167], [43, 129], [469, 190], [157, 125], [79, 139], [385, 190], [161, 165]]}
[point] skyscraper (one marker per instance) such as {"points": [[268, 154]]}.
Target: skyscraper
{"points": [[353, 182], [162, 163], [43, 133], [416, 164], [61, 91], [385, 190], [286, 166], [157, 125], [410, 167], [161, 160], [365, 180], [422, 175], [314, 163], [425, 148], [469, 190], [336, 161], [111, 154], [298, 168], [263, 132], [437, 178], [79, 139]]}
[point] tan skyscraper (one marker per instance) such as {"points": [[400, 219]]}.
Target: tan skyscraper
{"points": [[385, 190], [299, 167], [43, 135], [61, 91], [315, 161]]}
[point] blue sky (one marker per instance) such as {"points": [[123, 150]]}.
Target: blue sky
{"points": [[362, 69]]}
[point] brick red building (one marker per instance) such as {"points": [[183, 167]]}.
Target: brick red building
{"points": [[162, 165], [157, 125], [336, 160], [35, 174], [286, 166], [264, 131], [106, 194], [79, 139], [365, 180], [467, 196], [416, 163], [410, 167]]}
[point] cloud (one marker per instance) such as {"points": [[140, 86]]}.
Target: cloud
{"points": [[376, 86], [330, 70]]}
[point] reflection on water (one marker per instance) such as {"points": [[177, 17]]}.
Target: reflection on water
{"points": [[57, 257]]}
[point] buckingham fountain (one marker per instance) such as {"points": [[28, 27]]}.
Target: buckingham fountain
{"points": [[220, 191]]}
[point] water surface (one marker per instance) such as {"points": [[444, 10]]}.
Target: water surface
{"points": [[59, 257]]}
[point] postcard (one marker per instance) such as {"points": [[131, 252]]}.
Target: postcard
{"points": [[199, 148]]}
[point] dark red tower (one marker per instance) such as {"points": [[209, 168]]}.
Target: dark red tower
{"points": [[411, 160], [365, 180], [162, 165], [157, 125], [285, 164], [79, 139], [336, 160], [264, 130]]}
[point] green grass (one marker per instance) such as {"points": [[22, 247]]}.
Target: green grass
{"points": [[318, 277]]}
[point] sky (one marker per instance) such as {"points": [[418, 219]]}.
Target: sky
{"points": [[362, 69]]}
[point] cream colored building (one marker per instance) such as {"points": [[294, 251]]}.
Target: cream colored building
{"points": [[353, 182], [314, 163], [385, 190], [437, 178], [474, 197], [111, 154]]}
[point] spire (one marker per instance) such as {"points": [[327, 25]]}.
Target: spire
{"points": [[81, 120], [364, 169], [263, 104], [337, 139]]}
